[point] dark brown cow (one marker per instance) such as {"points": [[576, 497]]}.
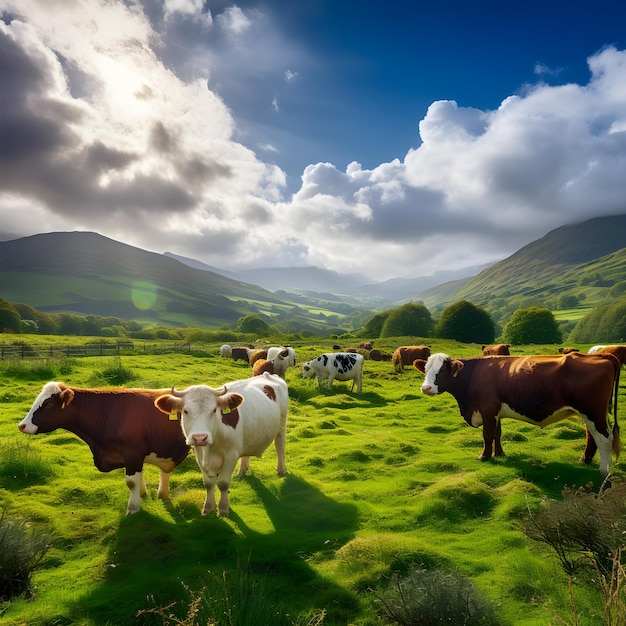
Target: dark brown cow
{"points": [[241, 353], [497, 349], [122, 427], [405, 355], [539, 390]]}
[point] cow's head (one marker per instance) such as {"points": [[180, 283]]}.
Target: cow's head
{"points": [[200, 408], [47, 413], [307, 370], [438, 372]]}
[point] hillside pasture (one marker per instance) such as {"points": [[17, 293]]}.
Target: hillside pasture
{"points": [[377, 482]]}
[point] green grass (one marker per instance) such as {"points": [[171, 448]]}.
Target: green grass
{"points": [[377, 483]]}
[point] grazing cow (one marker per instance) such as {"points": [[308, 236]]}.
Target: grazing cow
{"points": [[225, 351], [290, 359], [568, 350], [375, 355], [263, 365], [539, 390], [595, 349], [255, 355], [241, 353], [336, 365], [497, 349], [122, 427], [236, 421], [618, 351], [405, 355]]}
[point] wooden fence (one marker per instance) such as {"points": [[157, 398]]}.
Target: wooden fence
{"points": [[49, 351]]}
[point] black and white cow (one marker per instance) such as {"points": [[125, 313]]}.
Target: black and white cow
{"points": [[336, 365]]}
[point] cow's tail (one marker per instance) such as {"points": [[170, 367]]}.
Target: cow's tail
{"points": [[616, 439]]}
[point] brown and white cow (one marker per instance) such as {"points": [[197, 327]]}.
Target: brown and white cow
{"points": [[497, 349], [539, 390], [618, 351], [235, 421], [405, 355], [122, 427]]}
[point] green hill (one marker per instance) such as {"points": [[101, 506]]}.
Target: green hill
{"points": [[586, 259], [86, 273]]}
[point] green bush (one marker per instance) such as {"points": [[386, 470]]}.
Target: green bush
{"points": [[21, 552], [532, 325], [434, 596], [466, 322]]}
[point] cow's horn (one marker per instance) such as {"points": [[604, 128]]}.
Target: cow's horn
{"points": [[178, 394], [220, 391]]}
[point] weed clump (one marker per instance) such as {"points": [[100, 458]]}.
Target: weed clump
{"points": [[115, 374], [434, 596], [21, 552]]}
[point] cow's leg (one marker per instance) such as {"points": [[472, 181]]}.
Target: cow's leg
{"points": [[497, 440], [244, 465], [604, 444], [164, 485], [223, 483], [359, 384], [209, 501], [330, 380], [134, 483], [489, 432], [279, 444], [590, 449]]}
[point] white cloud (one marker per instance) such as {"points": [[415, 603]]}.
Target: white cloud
{"points": [[101, 133]]}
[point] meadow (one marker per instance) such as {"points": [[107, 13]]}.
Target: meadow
{"points": [[377, 483]]}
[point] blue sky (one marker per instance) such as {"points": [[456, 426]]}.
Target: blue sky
{"points": [[391, 139]]}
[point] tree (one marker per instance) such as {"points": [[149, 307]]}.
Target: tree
{"points": [[532, 325], [409, 319], [9, 317], [466, 322], [605, 324], [252, 324], [374, 326]]}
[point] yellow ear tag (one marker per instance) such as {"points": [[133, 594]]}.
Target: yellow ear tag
{"points": [[226, 411], [173, 416]]}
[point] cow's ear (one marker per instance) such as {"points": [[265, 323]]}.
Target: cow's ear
{"points": [[457, 366], [420, 364], [234, 400], [167, 404], [66, 397]]}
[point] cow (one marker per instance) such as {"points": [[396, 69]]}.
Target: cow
{"points": [[241, 353], [225, 351], [405, 355], [291, 356], [539, 390], [567, 350], [122, 427], [618, 351], [497, 349], [336, 365], [235, 421], [263, 365], [595, 349], [255, 355]]}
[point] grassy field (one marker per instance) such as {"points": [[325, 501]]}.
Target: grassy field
{"points": [[376, 483]]}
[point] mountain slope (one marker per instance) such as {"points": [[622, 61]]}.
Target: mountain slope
{"points": [[555, 260], [84, 272]]}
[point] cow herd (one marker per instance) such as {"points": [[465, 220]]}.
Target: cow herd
{"points": [[125, 428]]}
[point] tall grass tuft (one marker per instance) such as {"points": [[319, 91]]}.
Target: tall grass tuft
{"points": [[35, 370], [20, 467], [239, 597], [114, 374], [21, 552], [429, 597]]}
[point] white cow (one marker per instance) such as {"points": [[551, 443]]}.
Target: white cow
{"points": [[225, 351], [290, 360], [336, 365], [595, 349], [235, 421]]}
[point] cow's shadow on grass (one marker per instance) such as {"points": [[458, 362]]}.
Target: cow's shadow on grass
{"points": [[157, 561], [552, 477]]}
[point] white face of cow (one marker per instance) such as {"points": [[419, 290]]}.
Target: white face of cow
{"points": [[26, 425], [433, 367], [199, 407]]}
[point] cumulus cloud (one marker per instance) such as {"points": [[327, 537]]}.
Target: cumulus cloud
{"points": [[105, 125]]}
